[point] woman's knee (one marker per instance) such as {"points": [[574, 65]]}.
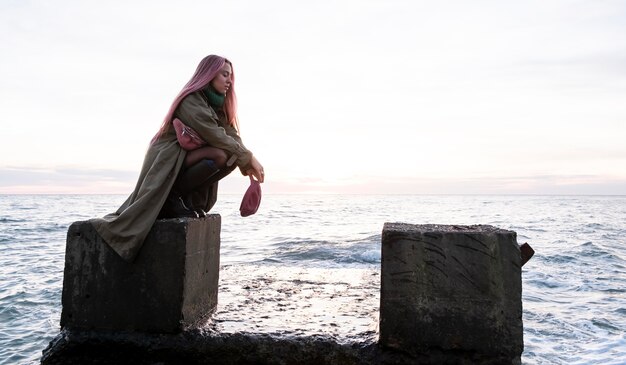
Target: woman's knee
{"points": [[220, 158]]}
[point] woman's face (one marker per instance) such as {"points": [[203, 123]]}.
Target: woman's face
{"points": [[224, 79]]}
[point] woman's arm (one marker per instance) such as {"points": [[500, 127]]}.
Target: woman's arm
{"points": [[194, 112], [256, 170], [231, 131]]}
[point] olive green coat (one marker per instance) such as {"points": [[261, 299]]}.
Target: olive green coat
{"points": [[126, 229]]}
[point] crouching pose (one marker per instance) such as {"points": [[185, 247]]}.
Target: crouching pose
{"points": [[179, 182]]}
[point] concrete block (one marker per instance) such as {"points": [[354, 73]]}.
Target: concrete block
{"points": [[170, 286], [451, 288]]}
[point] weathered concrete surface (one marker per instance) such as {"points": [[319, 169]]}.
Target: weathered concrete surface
{"points": [[207, 347], [453, 288], [171, 285], [450, 295]]}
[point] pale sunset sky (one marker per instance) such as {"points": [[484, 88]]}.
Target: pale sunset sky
{"points": [[354, 96]]}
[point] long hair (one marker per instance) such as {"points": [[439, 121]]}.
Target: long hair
{"points": [[206, 71]]}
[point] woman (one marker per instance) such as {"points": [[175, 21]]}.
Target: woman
{"points": [[177, 183]]}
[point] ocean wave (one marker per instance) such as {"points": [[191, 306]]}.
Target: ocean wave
{"points": [[589, 249], [12, 220], [356, 251], [559, 259], [603, 323], [573, 289]]}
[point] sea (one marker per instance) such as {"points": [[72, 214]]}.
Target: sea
{"points": [[310, 264]]}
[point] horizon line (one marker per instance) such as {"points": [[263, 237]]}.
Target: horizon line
{"points": [[372, 194]]}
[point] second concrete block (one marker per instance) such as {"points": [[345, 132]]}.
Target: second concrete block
{"points": [[451, 288]]}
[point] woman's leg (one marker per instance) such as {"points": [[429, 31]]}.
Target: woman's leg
{"points": [[218, 156], [205, 196], [202, 168]]}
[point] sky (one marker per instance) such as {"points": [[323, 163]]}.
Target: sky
{"points": [[352, 96]]}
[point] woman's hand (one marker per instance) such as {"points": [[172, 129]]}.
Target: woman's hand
{"points": [[256, 170]]}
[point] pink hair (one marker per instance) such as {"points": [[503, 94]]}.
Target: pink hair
{"points": [[206, 71]]}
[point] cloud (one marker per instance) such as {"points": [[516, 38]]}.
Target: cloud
{"points": [[15, 180], [537, 184], [73, 180], [453, 89]]}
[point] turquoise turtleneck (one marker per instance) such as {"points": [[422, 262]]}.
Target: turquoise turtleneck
{"points": [[215, 99]]}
